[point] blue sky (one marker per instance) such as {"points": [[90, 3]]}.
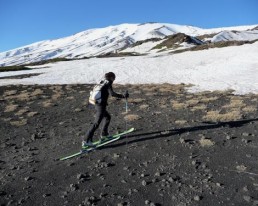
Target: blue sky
{"points": [[27, 21]]}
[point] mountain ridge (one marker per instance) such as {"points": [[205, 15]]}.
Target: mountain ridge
{"points": [[100, 41]]}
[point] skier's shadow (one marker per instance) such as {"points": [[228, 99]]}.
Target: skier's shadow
{"points": [[167, 133]]}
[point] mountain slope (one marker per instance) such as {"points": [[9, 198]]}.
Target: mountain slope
{"points": [[214, 69], [235, 36], [100, 41]]}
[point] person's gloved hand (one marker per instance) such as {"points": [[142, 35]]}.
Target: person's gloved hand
{"points": [[126, 95]]}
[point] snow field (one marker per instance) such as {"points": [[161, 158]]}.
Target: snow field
{"points": [[233, 67]]}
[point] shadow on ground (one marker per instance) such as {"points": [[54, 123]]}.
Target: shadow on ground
{"points": [[172, 132]]}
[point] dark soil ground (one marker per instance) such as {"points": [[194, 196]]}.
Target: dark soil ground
{"points": [[189, 149]]}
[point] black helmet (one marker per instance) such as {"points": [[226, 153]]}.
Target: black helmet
{"points": [[110, 75]]}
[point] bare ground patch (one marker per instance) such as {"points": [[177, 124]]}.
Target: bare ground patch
{"points": [[181, 122], [144, 106], [11, 108], [18, 123], [22, 111], [136, 100], [32, 114], [218, 116], [47, 103], [131, 117], [205, 142]]}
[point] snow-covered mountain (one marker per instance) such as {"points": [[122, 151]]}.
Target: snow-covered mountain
{"points": [[100, 41], [235, 36]]}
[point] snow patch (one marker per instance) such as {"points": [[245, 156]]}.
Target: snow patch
{"points": [[233, 67]]}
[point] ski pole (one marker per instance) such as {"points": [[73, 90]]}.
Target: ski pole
{"points": [[126, 111], [126, 102]]}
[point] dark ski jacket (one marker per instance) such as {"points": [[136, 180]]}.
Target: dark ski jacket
{"points": [[107, 90]]}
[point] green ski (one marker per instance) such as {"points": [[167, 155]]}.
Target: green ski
{"points": [[99, 144]]}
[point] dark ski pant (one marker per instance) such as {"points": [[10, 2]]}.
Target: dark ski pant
{"points": [[101, 114]]}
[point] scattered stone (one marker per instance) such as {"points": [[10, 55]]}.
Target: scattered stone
{"points": [[154, 173], [130, 192], [64, 195], [93, 199], [246, 134], [122, 204], [49, 184], [46, 195], [246, 141], [81, 176], [74, 187], [158, 174], [228, 137], [28, 178], [170, 179], [197, 198], [126, 168], [143, 175], [195, 162], [181, 140], [104, 165], [245, 189], [144, 183], [90, 200], [103, 195], [145, 164], [165, 132], [154, 180], [204, 166], [116, 155], [86, 201], [102, 177], [248, 155], [21, 201], [24, 143], [78, 110], [241, 168], [132, 173], [71, 164], [247, 198]]}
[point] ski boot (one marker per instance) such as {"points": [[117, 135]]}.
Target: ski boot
{"points": [[104, 138], [87, 144]]}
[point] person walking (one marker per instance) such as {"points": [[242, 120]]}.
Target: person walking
{"points": [[101, 109]]}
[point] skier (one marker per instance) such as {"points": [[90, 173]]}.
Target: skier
{"points": [[101, 112]]}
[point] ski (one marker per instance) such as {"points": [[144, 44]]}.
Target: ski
{"points": [[99, 144]]}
